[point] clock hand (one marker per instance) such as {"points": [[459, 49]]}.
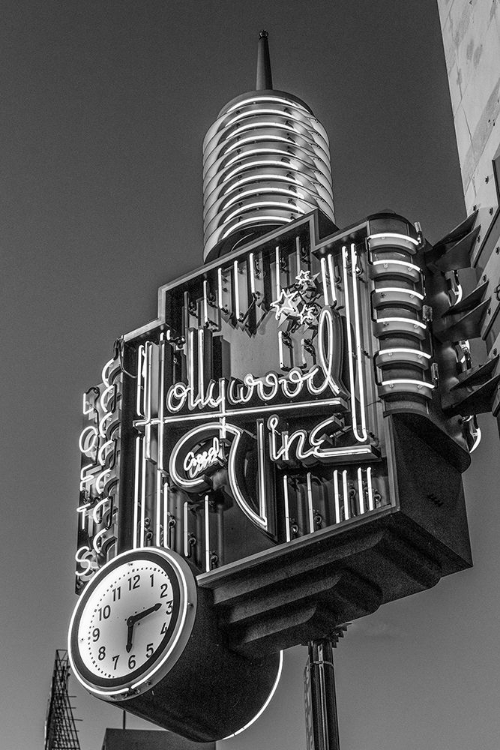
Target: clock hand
{"points": [[135, 618], [130, 632]]}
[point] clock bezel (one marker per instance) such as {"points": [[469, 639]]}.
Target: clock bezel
{"points": [[172, 645]]}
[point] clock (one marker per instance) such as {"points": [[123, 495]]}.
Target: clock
{"points": [[132, 622], [145, 636]]}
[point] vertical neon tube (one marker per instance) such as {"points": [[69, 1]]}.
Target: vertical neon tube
{"points": [[219, 288], [251, 274], [361, 493], [359, 348], [161, 427], [143, 497], [336, 494], [277, 280], [310, 502], [287, 507], [148, 397], [166, 498], [345, 490], [136, 490], [138, 398], [324, 282], [360, 436], [236, 283], [331, 272], [201, 363], [185, 531], [158, 509], [297, 256], [262, 473], [190, 369], [280, 349], [207, 535], [371, 500], [205, 303]]}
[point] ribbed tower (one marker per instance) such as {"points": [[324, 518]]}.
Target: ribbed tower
{"points": [[266, 161]]}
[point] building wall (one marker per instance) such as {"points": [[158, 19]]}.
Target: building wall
{"points": [[471, 40]]}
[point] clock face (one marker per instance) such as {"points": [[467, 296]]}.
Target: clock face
{"points": [[132, 621]]}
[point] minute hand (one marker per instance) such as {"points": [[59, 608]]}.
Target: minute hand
{"points": [[135, 618]]}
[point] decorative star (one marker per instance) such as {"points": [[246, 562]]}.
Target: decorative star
{"points": [[286, 306], [305, 282], [308, 316]]}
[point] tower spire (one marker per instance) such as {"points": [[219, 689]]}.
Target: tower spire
{"points": [[266, 162], [264, 75]]}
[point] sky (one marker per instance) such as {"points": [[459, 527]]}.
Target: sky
{"points": [[103, 108]]}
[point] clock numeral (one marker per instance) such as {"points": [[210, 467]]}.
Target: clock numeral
{"points": [[115, 661], [133, 583], [102, 653], [149, 650], [105, 612], [117, 593], [131, 661], [96, 634], [164, 589], [169, 606], [152, 579], [163, 628]]}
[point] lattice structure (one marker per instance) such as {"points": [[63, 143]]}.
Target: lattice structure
{"points": [[60, 725]]}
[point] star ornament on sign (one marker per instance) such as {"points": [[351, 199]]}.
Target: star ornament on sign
{"points": [[286, 306], [304, 282], [308, 316]]}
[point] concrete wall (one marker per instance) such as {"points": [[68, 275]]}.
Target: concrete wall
{"points": [[471, 39]]}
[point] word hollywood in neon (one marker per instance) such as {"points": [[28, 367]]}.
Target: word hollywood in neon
{"points": [[271, 387]]}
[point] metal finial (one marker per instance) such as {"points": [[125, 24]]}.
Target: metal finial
{"points": [[264, 76]]}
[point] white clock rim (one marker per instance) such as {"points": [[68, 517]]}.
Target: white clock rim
{"points": [[182, 631], [94, 601]]}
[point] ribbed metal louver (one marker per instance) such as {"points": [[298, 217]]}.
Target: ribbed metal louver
{"points": [[266, 162]]}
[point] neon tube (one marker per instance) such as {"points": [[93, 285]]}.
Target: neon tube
{"points": [[347, 511], [336, 491], [236, 286], [331, 271], [371, 502], [310, 502], [136, 491], [259, 713], [323, 281], [207, 535], [287, 507], [359, 349], [361, 494]]}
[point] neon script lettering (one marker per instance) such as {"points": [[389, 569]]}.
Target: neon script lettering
{"points": [[315, 382], [197, 463]]}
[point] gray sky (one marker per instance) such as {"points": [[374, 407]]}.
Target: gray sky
{"points": [[103, 109]]}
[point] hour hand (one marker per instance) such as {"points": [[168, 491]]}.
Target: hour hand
{"points": [[135, 618]]}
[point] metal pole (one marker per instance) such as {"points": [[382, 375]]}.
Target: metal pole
{"points": [[322, 726]]}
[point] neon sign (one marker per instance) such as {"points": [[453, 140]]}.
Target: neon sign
{"points": [[257, 400], [255, 403], [99, 445]]}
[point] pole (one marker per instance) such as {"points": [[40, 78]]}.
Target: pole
{"points": [[322, 726]]}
